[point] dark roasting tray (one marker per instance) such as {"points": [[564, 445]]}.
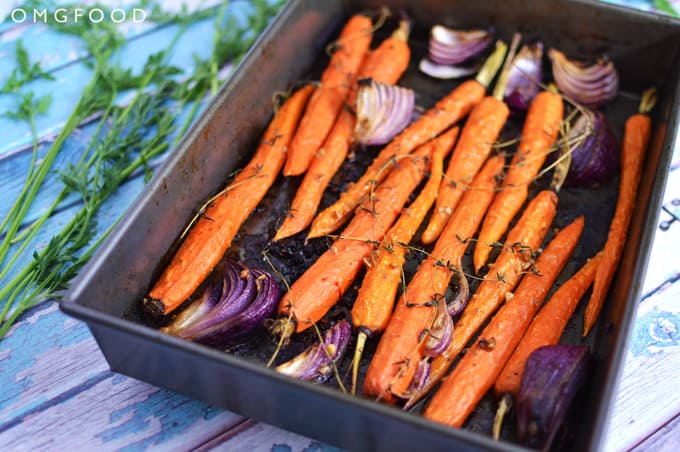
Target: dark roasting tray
{"points": [[108, 293]]}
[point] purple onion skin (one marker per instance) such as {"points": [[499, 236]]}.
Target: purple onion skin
{"points": [[524, 77], [595, 160], [236, 330], [247, 296], [420, 380], [198, 309], [315, 363], [461, 45], [441, 333], [382, 111], [460, 300], [552, 378]]}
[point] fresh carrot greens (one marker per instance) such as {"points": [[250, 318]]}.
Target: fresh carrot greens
{"points": [[127, 137]]}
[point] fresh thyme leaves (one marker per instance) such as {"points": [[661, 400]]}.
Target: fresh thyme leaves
{"points": [[126, 139]]}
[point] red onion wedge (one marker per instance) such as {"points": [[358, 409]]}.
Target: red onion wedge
{"points": [[448, 46], [231, 309], [420, 380], [445, 71], [552, 378], [462, 295], [589, 85], [440, 334], [382, 111], [594, 150], [316, 363], [524, 77]]}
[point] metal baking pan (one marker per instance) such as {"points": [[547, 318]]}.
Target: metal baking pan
{"points": [[108, 292]]}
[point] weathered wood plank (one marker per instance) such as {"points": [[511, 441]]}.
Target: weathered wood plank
{"points": [[57, 390], [55, 50], [14, 167], [647, 395], [265, 438], [117, 413], [70, 80], [44, 355], [664, 261], [666, 439]]}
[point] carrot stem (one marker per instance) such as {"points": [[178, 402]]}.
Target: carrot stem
{"points": [[361, 342]]}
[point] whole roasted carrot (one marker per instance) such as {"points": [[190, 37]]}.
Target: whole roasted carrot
{"points": [[539, 133], [325, 104], [375, 300], [385, 64], [210, 237], [547, 327], [322, 285], [502, 278], [449, 110], [477, 370], [635, 140], [476, 140], [398, 351]]}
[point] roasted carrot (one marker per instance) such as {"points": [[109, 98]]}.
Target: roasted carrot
{"points": [[322, 285], [449, 110], [375, 300], [539, 133], [399, 345], [210, 237], [477, 370], [476, 140], [325, 104], [547, 327], [385, 64], [481, 130], [635, 140], [516, 257]]}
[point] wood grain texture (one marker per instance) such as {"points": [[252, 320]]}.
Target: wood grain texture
{"points": [[647, 396], [666, 439]]}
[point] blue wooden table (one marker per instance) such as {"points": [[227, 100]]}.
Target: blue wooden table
{"points": [[56, 390]]}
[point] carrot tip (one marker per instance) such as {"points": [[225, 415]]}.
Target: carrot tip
{"points": [[154, 306]]}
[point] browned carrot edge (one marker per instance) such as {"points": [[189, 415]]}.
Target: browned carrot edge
{"points": [[449, 110], [210, 237], [477, 370], [374, 302], [415, 310], [539, 133], [635, 141], [547, 327], [385, 64], [325, 104]]}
